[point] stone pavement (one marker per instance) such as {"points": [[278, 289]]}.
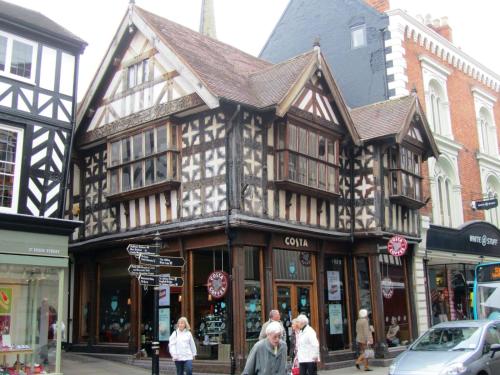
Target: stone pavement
{"points": [[80, 364]]}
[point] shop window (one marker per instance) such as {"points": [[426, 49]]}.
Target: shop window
{"points": [[253, 297], [210, 313], [30, 317], [292, 265], [363, 284], [394, 287], [10, 167], [405, 176], [336, 324], [17, 57], [307, 160], [144, 161], [114, 302]]}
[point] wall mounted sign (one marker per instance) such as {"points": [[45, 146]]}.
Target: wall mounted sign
{"points": [[305, 259], [217, 284], [397, 246], [296, 241], [485, 205]]}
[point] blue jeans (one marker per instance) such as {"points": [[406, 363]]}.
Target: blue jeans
{"points": [[182, 366]]}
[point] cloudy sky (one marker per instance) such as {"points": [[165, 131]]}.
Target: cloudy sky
{"points": [[246, 24]]}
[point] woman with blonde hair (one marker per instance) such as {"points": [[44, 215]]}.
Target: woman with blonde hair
{"points": [[364, 338], [182, 348]]}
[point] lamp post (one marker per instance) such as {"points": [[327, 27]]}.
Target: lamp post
{"points": [[155, 346]]}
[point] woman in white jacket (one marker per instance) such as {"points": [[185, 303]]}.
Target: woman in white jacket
{"points": [[182, 348], [307, 347]]}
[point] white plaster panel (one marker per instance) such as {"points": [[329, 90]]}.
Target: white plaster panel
{"points": [[282, 201], [293, 207], [142, 211], [131, 206], [163, 208], [303, 208], [152, 209], [270, 203], [314, 211]]}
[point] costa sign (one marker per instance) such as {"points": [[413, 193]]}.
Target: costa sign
{"points": [[397, 246], [296, 241], [217, 284]]}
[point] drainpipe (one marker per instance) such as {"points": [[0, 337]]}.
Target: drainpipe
{"points": [[230, 127]]}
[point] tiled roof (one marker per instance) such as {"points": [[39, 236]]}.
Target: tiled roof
{"points": [[37, 21], [382, 119], [226, 71]]}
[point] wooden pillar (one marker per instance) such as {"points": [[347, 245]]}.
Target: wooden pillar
{"points": [[94, 285], [238, 314], [135, 314], [377, 307], [268, 280], [185, 277], [320, 261]]}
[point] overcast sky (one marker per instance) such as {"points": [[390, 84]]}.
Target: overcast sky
{"points": [[246, 24]]}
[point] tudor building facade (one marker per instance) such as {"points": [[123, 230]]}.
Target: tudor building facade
{"points": [[38, 79], [245, 168]]}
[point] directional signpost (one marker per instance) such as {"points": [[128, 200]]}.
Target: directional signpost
{"points": [[147, 273]]}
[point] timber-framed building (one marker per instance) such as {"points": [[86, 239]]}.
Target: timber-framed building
{"points": [[256, 169]]}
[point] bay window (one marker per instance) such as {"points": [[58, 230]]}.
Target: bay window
{"points": [[405, 176], [10, 167], [307, 159], [146, 159]]}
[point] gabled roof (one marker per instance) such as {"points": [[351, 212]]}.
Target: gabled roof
{"points": [[219, 71], [36, 21], [392, 119]]}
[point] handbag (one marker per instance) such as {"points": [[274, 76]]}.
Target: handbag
{"points": [[369, 353], [295, 371]]}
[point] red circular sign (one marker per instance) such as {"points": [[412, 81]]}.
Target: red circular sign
{"points": [[217, 284], [397, 246]]}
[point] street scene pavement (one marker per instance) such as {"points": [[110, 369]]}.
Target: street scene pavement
{"points": [[79, 364]]}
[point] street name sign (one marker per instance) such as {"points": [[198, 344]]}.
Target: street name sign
{"points": [[486, 204], [139, 269], [148, 280], [170, 280], [148, 259], [137, 249], [155, 260]]}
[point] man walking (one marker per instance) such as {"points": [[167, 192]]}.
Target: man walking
{"points": [[308, 347], [274, 316]]}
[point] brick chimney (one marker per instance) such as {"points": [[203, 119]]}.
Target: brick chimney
{"points": [[379, 5], [441, 26]]}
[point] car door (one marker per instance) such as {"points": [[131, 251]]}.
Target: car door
{"points": [[492, 337]]}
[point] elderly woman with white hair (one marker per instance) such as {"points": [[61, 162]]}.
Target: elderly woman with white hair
{"points": [[307, 347], [268, 356], [364, 338]]}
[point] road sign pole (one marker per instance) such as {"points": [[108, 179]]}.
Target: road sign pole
{"points": [[155, 366]]}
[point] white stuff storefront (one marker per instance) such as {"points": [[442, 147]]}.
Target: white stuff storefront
{"points": [[33, 286]]}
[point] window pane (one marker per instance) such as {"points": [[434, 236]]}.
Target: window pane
{"points": [[3, 52], [150, 171], [145, 70], [322, 176], [138, 149], [331, 152], [8, 145], [114, 181], [302, 141], [331, 179], [22, 55], [358, 36], [126, 178], [292, 166], [313, 145], [281, 165], [161, 168], [131, 76], [150, 142], [292, 137], [174, 166], [138, 179], [302, 170], [125, 150], [313, 173], [173, 138], [115, 153], [161, 134], [322, 148], [281, 136]]}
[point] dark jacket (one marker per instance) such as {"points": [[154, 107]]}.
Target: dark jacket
{"points": [[262, 360]]}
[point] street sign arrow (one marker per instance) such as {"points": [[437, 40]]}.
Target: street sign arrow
{"points": [[138, 269], [148, 259], [171, 261], [170, 280], [136, 249], [148, 280]]}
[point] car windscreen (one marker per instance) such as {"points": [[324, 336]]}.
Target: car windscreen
{"points": [[449, 339]]}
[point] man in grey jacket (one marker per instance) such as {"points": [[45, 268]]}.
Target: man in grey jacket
{"points": [[268, 357], [274, 316]]}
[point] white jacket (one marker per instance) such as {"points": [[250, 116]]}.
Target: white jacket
{"points": [[181, 345], [307, 345]]}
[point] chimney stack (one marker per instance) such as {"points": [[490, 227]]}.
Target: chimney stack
{"points": [[207, 19], [441, 26], [379, 5]]}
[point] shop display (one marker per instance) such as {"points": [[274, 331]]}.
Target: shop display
{"points": [[253, 312], [212, 329]]}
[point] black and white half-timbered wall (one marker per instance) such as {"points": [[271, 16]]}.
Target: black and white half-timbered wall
{"points": [[258, 170], [38, 81]]}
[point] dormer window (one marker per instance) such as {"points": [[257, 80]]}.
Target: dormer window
{"points": [[17, 57], [307, 159], [138, 73], [143, 161], [405, 180]]}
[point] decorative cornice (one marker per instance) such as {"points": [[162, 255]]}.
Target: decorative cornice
{"points": [[443, 48]]}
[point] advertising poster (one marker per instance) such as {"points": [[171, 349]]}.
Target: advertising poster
{"points": [[5, 300], [4, 324], [164, 324], [333, 278], [164, 296], [335, 319]]}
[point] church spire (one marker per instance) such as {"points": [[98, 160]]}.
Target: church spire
{"points": [[207, 19]]}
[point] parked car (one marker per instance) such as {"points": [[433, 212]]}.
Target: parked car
{"points": [[464, 347]]}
